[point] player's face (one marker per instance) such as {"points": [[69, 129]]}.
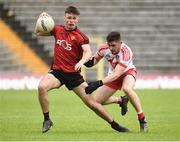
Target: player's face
{"points": [[70, 21], [114, 46]]}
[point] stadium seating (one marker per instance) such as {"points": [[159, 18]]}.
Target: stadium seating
{"points": [[151, 28], [8, 62]]}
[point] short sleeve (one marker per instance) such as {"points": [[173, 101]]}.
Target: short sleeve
{"points": [[126, 56], [102, 49], [84, 39]]}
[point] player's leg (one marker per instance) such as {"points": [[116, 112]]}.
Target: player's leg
{"points": [[127, 88], [47, 83], [104, 96], [97, 107], [122, 101]]}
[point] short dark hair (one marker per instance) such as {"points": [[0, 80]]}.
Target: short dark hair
{"points": [[113, 36], [73, 10]]}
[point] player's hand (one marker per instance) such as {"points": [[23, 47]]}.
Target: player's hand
{"points": [[92, 86], [79, 65]]}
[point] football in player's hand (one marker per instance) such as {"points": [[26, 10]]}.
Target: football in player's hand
{"points": [[45, 23]]}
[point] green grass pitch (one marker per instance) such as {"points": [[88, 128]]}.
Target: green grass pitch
{"points": [[21, 117]]}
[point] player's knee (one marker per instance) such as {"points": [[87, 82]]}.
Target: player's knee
{"points": [[127, 90], [42, 87], [91, 104], [98, 100]]}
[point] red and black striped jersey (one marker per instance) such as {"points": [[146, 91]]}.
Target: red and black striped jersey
{"points": [[67, 48]]}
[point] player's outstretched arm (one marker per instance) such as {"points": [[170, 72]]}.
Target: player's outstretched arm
{"points": [[92, 86]]}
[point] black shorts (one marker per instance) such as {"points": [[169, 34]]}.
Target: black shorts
{"points": [[70, 79]]}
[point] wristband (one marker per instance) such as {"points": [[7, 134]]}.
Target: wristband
{"points": [[89, 63]]}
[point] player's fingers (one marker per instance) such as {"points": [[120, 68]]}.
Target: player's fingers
{"points": [[77, 67]]}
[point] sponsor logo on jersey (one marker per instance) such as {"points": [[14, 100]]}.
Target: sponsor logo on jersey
{"points": [[64, 44]]}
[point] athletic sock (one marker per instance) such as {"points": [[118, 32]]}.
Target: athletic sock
{"points": [[141, 115], [46, 116]]}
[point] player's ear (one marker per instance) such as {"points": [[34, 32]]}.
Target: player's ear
{"points": [[78, 18], [64, 16]]}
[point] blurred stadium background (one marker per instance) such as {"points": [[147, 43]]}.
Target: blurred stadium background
{"points": [[150, 27]]}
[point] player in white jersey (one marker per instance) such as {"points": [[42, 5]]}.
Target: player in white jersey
{"points": [[121, 76]]}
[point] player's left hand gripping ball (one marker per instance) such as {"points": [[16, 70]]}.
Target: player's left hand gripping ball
{"points": [[92, 86]]}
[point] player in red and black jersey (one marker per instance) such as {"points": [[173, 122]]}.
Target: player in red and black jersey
{"points": [[71, 51]]}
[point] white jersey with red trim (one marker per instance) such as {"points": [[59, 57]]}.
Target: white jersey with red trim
{"points": [[123, 58]]}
